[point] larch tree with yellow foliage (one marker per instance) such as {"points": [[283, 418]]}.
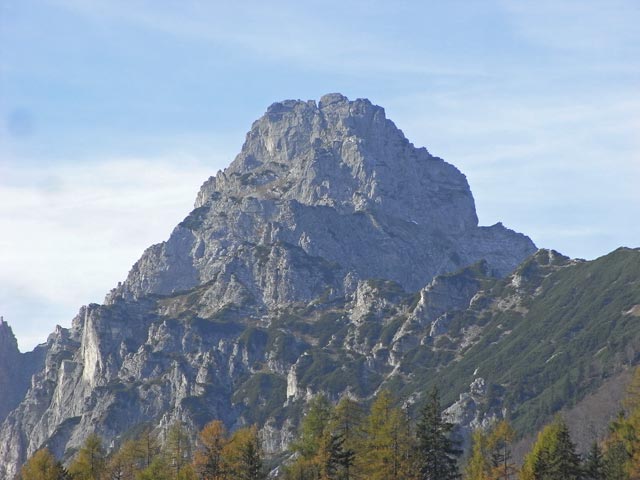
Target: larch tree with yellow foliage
{"points": [[43, 466], [89, 463], [243, 455], [499, 445], [387, 448], [209, 460]]}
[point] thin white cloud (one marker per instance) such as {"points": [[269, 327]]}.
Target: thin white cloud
{"points": [[71, 232]]}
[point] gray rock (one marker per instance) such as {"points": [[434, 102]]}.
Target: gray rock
{"points": [[317, 192], [16, 369], [474, 411]]}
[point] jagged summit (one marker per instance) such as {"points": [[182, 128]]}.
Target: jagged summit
{"points": [[321, 194], [8, 342], [15, 369], [9, 355], [346, 155]]}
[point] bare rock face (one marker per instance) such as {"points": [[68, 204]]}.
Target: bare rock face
{"points": [[15, 369], [307, 265], [318, 191], [474, 410], [10, 391]]}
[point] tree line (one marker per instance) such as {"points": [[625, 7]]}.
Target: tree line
{"points": [[349, 441], [216, 456], [553, 455], [345, 441]]}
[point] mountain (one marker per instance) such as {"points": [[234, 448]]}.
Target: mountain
{"points": [[16, 369], [330, 256], [11, 391], [319, 195]]}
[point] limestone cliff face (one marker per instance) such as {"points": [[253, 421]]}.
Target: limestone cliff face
{"points": [[10, 396], [15, 369], [321, 259], [317, 192]]}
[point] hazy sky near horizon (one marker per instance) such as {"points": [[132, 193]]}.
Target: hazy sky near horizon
{"points": [[112, 114]]}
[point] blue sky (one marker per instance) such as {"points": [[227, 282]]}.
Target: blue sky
{"points": [[112, 113]]}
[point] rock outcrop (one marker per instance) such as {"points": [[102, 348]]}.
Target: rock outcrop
{"points": [[15, 369]]}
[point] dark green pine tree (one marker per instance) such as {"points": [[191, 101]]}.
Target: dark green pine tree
{"points": [[331, 457], [564, 462], [338, 459], [594, 464], [542, 465], [251, 467], [437, 452]]}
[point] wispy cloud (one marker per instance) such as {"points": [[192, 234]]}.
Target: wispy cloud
{"points": [[71, 232]]}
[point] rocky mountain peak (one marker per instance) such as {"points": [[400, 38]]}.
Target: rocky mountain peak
{"points": [[346, 155], [292, 129], [323, 192], [15, 369], [8, 342]]}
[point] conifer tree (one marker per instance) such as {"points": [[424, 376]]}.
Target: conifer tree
{"points": [[89, 463], [251, 467], [301, 469], [536, 462], [615, 461], [158, 469], [122, 465], [564, 463], [553, 456], [499, 444], [334, 460], [209, 462], [437, 450], [242, 455], [542, 464], [312, 441], [387, 441], [490, 457], [347, 423], [328, 457], [376, 454], [314, 426], [178, 451], [594, 464], [622, 457], [43, 466], [147, 447], [479, 465]]}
